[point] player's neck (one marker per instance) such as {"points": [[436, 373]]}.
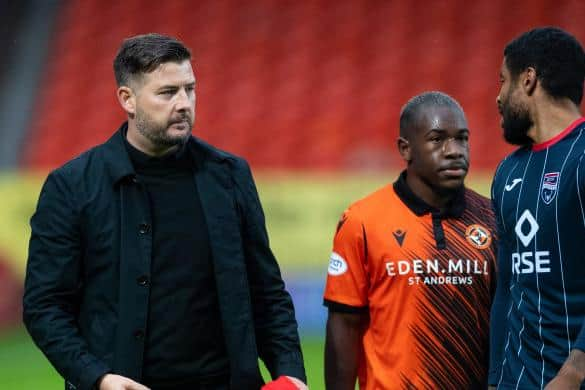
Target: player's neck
{"points": [[439, 200], [551, 119]]}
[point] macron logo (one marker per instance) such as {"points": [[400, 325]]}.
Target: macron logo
{"points": [[509, 187]]}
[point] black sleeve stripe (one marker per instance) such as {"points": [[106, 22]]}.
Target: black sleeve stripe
{"points": [[365, 244], [342, 308]]}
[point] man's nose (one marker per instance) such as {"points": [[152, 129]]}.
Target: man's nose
{"points": [[183, 100], [453, 148]]}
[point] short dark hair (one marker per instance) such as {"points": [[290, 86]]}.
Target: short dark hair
{"points": [[411, 110], [144, 53], [556, 56]]}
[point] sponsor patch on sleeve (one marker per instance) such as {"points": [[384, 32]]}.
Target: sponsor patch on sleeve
{"points": [[337, 265]]}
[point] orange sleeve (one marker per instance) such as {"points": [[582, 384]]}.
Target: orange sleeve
{"points": [[347, 280]]}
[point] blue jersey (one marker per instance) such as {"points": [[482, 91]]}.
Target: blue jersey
{"points": [[538, 314]]}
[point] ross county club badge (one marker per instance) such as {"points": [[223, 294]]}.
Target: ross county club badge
{"points": [[550, 183]]}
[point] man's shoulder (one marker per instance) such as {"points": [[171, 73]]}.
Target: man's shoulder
{"points": [[510, 162], [373, 203], [477, 198], [479, 206], [78, 165], [101, 163], [207, 151]]}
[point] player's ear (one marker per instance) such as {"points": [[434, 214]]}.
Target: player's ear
{"points": [[404, 148], [529, 80], [127, 99]]}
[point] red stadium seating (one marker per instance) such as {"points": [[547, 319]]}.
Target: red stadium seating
{"points": [[292, 84]]}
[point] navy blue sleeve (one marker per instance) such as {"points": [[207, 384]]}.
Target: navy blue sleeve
{"points": [[580, 341], [501, 303]]}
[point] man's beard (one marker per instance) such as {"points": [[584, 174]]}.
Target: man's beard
{"points": [[157, 133], [516, 123]]}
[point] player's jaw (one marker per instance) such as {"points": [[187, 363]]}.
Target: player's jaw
{"points": [[516, 122], [167, 133]]}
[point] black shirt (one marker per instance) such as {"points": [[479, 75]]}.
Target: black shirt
{"points": [[184, 339]]}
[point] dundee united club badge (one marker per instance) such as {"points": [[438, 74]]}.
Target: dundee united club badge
{"points": [[478, 236]]}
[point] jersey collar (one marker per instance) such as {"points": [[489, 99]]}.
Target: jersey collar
{"points": [[558, 137], [418, 206]]}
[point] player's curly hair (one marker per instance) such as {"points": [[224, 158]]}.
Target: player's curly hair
{"points": [[556, 56], [144, 53]]}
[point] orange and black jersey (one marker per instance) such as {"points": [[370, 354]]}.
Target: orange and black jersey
{"points": [[425, 278]]}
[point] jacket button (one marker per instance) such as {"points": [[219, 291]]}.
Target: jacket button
{"points": [[144, 228], [142, 280], [138, 334]]}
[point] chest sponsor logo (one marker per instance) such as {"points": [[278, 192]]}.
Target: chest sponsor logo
{"points": [[511, 186], [550, 184], [337, 265], [434, 271], [528, 262], [526, 227], [478, 236]]}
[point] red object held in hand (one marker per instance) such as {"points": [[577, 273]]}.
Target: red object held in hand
{"points": [[282, 383]]}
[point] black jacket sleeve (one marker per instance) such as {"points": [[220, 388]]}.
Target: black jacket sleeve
{"points": [[274, 317], [53, 284]]}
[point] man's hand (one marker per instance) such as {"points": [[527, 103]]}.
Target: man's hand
{"points": [[117, 382], [571, 374], [300, 385], [563, 382]]}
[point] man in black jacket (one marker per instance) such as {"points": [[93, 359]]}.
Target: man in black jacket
{"points": [[149, 264]]}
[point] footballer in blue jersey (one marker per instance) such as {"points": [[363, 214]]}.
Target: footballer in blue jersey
{"points": [[538, 316]]}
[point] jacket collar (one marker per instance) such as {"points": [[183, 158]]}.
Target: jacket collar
{"points": [[120, 166], [116, 156], [454, 209]]}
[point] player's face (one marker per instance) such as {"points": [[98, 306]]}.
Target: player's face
{"points": [[439, 149], [165, 104], [516, 119]]}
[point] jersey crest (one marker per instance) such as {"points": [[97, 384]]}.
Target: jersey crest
{"points": [[478, 236], [550, 183]]}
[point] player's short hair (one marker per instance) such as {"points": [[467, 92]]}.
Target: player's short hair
{"points": [[411, 110], [556, 56], [144, 53]]}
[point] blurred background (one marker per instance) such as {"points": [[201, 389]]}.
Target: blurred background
{"points": [[309, 92]]}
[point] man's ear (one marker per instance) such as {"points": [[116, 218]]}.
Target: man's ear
{"points": [[529, 80], [404, 148], [127, 99]]}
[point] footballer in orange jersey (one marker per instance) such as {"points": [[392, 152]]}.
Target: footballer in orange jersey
{"points": [[411, 276]]}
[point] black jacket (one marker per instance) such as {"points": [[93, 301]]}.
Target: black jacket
{"points": [[85, 300]]}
